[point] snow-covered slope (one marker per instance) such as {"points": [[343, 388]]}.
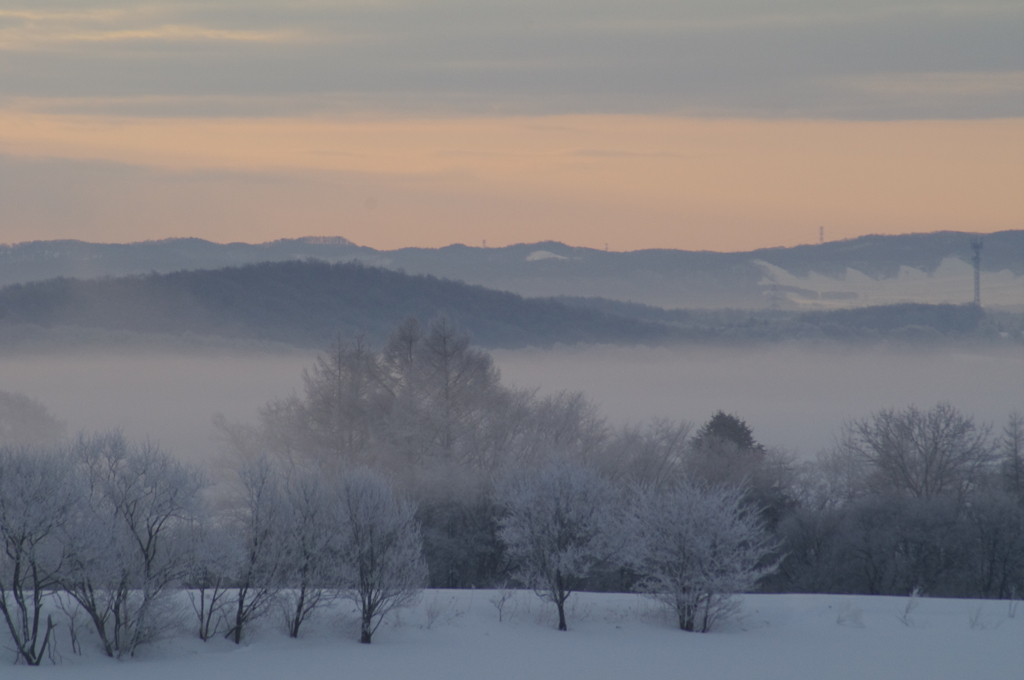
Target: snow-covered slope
{"points": [[951, 282], [457, 635]]}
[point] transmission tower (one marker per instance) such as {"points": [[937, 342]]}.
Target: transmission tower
{"points": [[976, 247]]}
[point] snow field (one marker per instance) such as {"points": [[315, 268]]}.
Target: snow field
{"points": [[457, 635]]}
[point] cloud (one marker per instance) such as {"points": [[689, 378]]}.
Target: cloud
{"points": [[736, 58], [30, 30]]}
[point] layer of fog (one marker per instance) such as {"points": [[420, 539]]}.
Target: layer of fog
{"points": [[793, 397], [169, 398]]}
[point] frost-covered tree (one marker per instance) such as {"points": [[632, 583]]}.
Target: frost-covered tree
{"points": [[561, 523], [129, 548], [648, 456], [259, 522], [215, 554], [313, 532], [448, 396], [696, 547], [39, 495], [565, 425], [381, 549], [339, 418]]}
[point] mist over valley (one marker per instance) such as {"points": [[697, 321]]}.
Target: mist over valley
{"points": [[158, 355], [794, 396]]}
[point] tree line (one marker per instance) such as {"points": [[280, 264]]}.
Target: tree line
{"points": [[119, 536], [413, 466]]}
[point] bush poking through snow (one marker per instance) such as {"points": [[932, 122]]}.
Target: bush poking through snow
{"points": [[908, 609]]}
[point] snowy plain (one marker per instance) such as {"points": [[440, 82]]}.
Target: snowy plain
{"points": [[457, 635]]}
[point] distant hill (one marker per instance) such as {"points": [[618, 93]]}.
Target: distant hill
{"points": [[913, 323], [870, 270], [307, 304]]}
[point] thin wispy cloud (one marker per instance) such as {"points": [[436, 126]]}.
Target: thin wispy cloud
{"points": [[29, 30], [727, 58]]}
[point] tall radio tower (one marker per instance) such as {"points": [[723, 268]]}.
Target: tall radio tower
{"points": [[976, 247]]}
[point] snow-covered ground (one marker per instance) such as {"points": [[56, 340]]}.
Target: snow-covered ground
{"points": [[456, 635]]}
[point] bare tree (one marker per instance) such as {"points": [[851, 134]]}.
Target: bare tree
{"points": [[565, 425], [215, 555], [381, 549], [648, 456], [995, 546], [338, 419], [129, 548], [696, 548], [313, 532], [922, 454], [445, 403], [561, 524], [259, 521], [39, 494]]}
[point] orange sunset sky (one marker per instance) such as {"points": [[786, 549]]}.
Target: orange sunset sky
{"points": [[719, 126]]}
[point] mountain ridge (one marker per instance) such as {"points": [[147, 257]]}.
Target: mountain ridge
{"points": [[309, 303], [804, 276]]}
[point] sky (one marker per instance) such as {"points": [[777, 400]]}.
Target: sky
{"points": [[708, 124]]}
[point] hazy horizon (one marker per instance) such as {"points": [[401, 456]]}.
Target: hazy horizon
{"points": [[481, 245]]}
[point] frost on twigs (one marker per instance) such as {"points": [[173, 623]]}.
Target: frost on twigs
{"points": [[562, 522], [127, 550], [502, 598], [39, 494], [381, 550], [696, 548]]}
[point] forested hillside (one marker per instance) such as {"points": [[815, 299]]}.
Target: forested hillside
{"points": [[307, 304], [669, 278]]}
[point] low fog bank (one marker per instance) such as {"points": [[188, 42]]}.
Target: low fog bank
{"points": [[793, 396], [169, 397]]}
